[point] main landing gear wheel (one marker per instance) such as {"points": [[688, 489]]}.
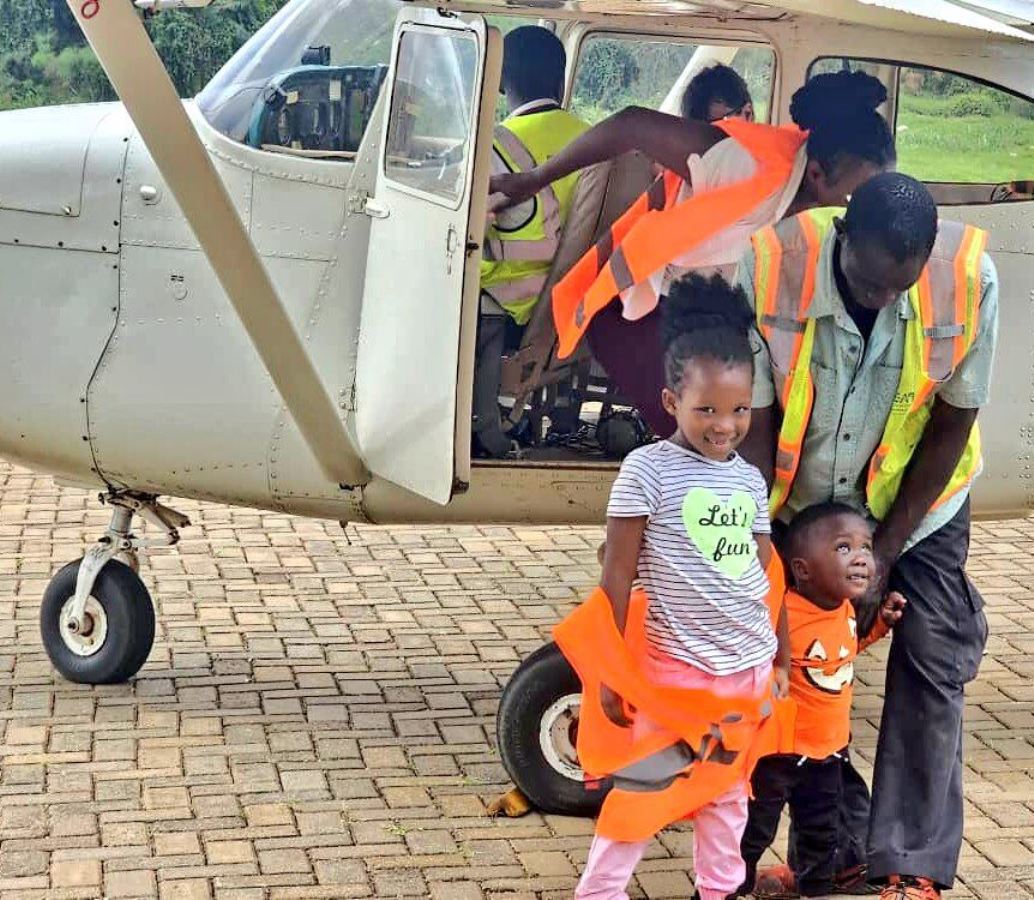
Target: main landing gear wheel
{"points": [[117, 628], [537, 728], [97, 619]]}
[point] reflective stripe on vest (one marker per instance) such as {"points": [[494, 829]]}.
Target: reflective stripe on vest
{"points": [[945, 302], [659, 228], [520, 246], [519, 250]]}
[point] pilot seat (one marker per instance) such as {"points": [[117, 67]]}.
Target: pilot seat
{"points": [[568, 407]]}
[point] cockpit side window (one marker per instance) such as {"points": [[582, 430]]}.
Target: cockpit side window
{"points": [[306, 83], [615, 71], [970, 142]]}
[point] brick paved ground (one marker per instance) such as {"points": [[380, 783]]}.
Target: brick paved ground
{"points": [[316, 719]]}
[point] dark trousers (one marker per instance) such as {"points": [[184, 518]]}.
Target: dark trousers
{"points": [[916, 823], [812, 788], [496, 332], [852, 821]]}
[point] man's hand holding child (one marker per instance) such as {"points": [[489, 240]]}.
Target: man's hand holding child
{"points": [[892, 608]]}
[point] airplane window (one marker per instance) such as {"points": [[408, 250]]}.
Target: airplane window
{"points": [[308, 79], [614, 72], [431, 110], [970, 142]]}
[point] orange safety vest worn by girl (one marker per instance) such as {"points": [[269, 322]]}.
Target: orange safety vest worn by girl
{"points": [[823, 647], [660, 227], [705, 746]]}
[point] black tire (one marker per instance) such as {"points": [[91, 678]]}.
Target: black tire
{"points": [[129, 622], [540, 681]]}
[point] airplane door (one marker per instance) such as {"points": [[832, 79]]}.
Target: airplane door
{"points": [[422, 274]]}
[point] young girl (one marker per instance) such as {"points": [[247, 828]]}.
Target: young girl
{"points": [[689, 518]]}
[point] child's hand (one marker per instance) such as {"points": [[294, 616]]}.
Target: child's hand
{"points": [[614, 707], [782, 682], [892, 608]]}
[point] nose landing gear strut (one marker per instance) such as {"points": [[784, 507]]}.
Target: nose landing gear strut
{"points": [[97, 618]]}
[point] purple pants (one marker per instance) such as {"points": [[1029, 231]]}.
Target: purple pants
{"points": [[632, 356]]}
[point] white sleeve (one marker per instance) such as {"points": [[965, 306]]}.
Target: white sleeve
{"points": [[762, 523], [637, 489]]}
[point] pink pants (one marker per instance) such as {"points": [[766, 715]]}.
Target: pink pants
{"points": [[717, 827]]}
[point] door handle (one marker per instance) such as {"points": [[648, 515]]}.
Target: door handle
{"points": [[376, 209]]}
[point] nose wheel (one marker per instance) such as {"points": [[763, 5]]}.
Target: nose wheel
{"points": [[97, 618], [113, 637]]}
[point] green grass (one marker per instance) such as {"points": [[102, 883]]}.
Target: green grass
{"points": [[935, 146]]}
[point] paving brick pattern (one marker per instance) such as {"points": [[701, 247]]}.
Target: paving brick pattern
{"points": [[317, 716]]}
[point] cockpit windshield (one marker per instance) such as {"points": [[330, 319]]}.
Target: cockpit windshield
{"points": [[307, 80]]}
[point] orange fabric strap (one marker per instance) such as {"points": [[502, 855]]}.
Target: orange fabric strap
{"points": [[707, 744], [656, 229]]}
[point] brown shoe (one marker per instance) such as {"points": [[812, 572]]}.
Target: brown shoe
{"points": [[776, 883], [854, 882], [910, 887]]}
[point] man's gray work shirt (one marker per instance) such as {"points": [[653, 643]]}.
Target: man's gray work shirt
{"points": [[855, 383]]}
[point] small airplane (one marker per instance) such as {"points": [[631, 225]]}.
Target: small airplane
{"points": [[268, 296]]}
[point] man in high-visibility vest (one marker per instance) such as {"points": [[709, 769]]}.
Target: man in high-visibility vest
{"points": [[879, 327], [521, 241]]}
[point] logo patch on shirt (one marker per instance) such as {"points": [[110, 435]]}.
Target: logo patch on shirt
{"points": [[722, 532]]}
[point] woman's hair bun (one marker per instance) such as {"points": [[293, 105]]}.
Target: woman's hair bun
{"points": [[835, 96]]}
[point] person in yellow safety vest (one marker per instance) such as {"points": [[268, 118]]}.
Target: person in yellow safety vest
{"points": [[879, 327], [520, 242]]}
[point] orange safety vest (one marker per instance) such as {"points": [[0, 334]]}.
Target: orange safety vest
{"points": [[657, 229], [945, 302], [706, 744]]}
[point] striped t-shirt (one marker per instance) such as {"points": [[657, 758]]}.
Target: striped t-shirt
{"points": [[698, 563]]}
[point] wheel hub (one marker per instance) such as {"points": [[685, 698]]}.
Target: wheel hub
{"points": [[88, 639], [558, 735]]}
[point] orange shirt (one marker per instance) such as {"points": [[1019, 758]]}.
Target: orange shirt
{"points": [[823, 647]]}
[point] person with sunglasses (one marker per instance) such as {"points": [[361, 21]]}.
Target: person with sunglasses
{"points": [[716, 93]]}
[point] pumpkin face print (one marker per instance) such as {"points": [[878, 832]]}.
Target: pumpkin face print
{"points": [[820, 674]]}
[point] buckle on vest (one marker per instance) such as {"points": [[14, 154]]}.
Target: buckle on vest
{"points": [[784, 323], [940, 332]]}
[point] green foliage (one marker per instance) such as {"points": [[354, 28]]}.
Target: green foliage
{"points": [[617, 72], [937, 145], [608, 69], [196, 44], [973, 104], [44, 58]]}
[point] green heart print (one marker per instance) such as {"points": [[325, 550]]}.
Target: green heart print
{"points": [[721, 531]]}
